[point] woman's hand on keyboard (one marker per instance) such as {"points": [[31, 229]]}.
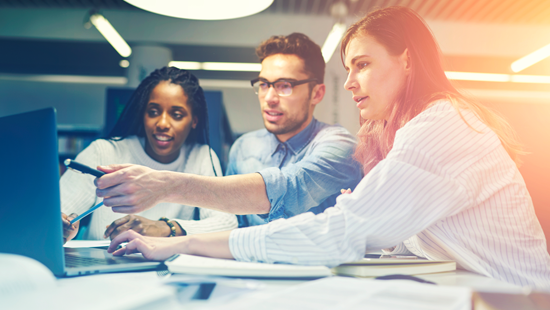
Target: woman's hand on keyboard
{"points": [[153, 248]]}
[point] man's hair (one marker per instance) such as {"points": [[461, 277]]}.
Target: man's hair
{"points": [[296, 44]]}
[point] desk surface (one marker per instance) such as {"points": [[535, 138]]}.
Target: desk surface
{"points": [[457, 278]]}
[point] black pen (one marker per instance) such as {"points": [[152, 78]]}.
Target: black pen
{"points": [[71, 164]]}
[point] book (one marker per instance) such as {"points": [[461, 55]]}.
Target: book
{"points": [[368, 267], [376, 267], [191, 264]]}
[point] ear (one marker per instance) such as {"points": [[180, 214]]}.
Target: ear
{"points": [[406, 59], [317, 93], [195, 122]]}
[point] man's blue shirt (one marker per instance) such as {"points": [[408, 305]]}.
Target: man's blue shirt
{"points": [[302, 174]]}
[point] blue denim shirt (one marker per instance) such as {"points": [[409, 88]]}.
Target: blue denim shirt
{"points": [[302, 174]]}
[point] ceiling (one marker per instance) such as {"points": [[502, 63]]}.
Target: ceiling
{"points": [[48, 37], [477, 11]]}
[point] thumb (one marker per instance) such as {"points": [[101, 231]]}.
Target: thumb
{"points": [[112, 168]]}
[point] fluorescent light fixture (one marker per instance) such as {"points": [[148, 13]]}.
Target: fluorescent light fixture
{"points": [[531, 59], [231, 66], [187, 65], [203, 9], [208, 83], [543, 79], [216, 66], [497, 77], [111, 35], [474, 76], [332, 41]]}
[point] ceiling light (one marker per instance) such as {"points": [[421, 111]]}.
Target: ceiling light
{"points": [[204, 9], [216, 66], [124, 63], [475, 76], [497, 77], [111, 35], [531, 59], [332, 41]]}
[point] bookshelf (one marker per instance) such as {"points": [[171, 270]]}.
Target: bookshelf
{"points": [[72, 139]]}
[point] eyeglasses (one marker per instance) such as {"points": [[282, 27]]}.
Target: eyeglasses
{"points": [[282, 87]]}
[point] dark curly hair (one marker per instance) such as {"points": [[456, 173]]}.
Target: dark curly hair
{"points": [[130, 121]]}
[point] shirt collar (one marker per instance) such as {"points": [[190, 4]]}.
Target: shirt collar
{"points": [[298, 142]]}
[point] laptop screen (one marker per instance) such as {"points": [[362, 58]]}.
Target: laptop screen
{"points": [[30, 222]]}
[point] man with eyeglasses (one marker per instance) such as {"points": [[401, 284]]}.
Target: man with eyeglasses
{"points": [[295, 165]]}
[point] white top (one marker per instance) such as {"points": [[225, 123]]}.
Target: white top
{"points": [[445, 191], [78, 190]]}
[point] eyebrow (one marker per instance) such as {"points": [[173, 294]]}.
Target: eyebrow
{"points": [[158, 105], [279, 79]]}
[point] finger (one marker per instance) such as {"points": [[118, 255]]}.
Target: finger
{"points": [[136, 246], [126, 236], [113, 168], [113, 197], [112, 178], [342, 191], [126, 209], [120, 229], [115, 224], [72, 216]]}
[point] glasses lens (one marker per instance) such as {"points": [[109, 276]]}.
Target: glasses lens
{"points": [[256, 86], [283, 88]]}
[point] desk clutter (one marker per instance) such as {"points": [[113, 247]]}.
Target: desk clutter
{"points": [[196, 283]]}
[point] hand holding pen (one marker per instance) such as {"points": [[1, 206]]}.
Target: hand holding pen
{"points": [[78, 167]]}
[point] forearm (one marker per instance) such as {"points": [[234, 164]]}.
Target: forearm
{"points": [[211, 245], [237, 194]]}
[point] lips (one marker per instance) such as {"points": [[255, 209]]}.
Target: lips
{"points": [[359, 99], [272, 115], [162, 141]]}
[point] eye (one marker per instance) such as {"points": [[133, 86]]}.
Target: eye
{"points": [[178, 115], [152, 112], [362, 65]]}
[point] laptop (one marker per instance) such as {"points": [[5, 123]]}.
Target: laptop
{"points": [[30, 205]]}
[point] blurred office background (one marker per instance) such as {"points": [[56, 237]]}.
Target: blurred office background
{"points": [[50, 55]]}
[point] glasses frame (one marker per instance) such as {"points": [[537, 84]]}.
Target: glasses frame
{"points": [[272, 84]]}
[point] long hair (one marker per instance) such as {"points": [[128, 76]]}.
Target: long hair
{"points": [[399, 28], [130, 121]]}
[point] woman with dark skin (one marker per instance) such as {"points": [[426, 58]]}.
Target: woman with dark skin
{"points": [[158, 128]]}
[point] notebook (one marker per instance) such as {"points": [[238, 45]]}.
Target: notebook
{"points": [[190, 264], [30, 207], [376, 267]]}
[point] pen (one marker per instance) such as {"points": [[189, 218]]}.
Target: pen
{"points": [[81, 216], [73, 165]]}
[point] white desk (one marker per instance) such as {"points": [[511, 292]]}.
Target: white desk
{"points": [[457, 278]]}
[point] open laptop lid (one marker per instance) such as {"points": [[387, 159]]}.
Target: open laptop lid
{"points": [[30, 222]]}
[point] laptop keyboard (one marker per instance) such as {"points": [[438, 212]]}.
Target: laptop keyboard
{"points": [[76, 261]]}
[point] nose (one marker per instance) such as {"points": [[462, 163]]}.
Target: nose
{"points": [[271, 96], [163, 123], [350, 83]]}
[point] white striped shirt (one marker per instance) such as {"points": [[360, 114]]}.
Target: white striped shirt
{"points": [[444, 192], [78, 190]]}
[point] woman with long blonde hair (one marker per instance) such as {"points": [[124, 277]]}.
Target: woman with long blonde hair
{"points": [[441, 181]]}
